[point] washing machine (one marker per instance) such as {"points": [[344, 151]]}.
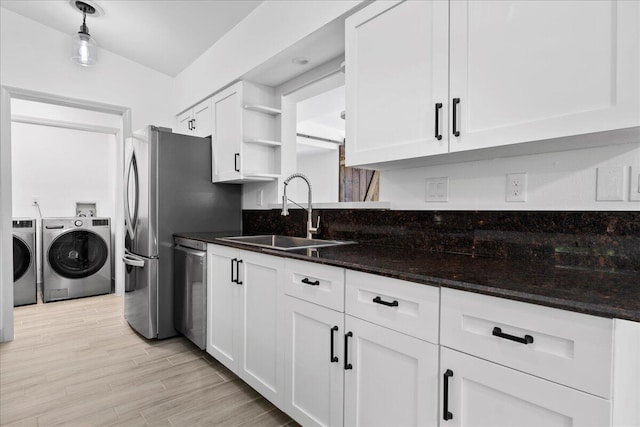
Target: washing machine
{"points": [[24, 261], [76, 257]]}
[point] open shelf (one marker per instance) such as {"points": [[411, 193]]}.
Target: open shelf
{"points": [[266, 142], [263, 109]]}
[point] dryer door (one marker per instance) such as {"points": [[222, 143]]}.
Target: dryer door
{"points": [[21, 258], [78, 254]]}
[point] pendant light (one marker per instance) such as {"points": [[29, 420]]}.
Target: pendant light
{"points": [[85, 50]]}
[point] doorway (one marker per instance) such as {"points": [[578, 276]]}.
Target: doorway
{"points": [[315, 123], [31, 110]]}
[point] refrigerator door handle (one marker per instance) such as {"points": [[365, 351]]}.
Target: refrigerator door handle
{"points": [[132, 260], [127, 209], [131, 219]]}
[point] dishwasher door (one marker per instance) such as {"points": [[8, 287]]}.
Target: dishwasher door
{"points": [[190, 293]]}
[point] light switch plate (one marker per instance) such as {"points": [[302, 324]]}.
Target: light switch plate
{"points": [[610, 184], [437, 189], [634, 184]]}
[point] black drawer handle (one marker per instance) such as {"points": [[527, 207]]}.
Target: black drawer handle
{"points": [[334, 359], [238, 262], [306, 281], [347, 365], [232, 261], [236, 157], [456, 101], [446, 415], [438, 107], [528, 339], [379, 300]]}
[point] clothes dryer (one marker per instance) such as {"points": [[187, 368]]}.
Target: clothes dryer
{"points": [[24, 261], [76, 257]]}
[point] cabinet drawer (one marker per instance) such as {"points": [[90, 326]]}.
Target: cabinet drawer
{"points": [[565, 347], [316, 283], [405, 307]]}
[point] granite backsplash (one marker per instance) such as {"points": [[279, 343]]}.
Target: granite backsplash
{"points": [[597, 240]]}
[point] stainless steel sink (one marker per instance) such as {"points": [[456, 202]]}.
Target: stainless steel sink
{"points": [[284, 243]]}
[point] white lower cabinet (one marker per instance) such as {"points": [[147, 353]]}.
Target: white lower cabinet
{"points": [[243, 317], [391, 379], [223, 307], [406, 354], [314, 363], [480, 393]]}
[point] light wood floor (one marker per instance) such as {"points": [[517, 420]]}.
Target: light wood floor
{"points": [[78, 362]]}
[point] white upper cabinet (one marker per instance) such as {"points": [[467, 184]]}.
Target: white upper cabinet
{"points": [[195, 121], [505, 72], [245, 146], [202, 118], [396, 81], [527, 71]]}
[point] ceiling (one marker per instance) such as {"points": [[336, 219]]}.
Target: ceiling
{"points": [[147, 32]]}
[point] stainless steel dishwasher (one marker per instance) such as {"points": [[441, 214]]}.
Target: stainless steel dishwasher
{"points": [[190, 289]]}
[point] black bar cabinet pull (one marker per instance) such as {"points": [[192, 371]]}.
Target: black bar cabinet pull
{"points": [[379, 300], [238, 262], [306, 281], [446, 415], [528, 339], [456, 101], [232, 261], [438, 107], [189, 124], [236, 157], [334, 359], [347, 365]]}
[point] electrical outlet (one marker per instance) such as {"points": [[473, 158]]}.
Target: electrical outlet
{"points": [[260, 198], [437, 189], [516, 187]]}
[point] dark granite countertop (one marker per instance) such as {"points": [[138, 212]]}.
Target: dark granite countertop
{"points": [[599, 293]]}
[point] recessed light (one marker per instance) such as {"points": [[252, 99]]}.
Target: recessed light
{"points": [[300, 61]]}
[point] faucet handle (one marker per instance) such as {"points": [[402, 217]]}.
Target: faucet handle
{"points": [[314, 230]]}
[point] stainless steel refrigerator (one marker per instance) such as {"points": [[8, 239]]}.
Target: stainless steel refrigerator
{"points": [[168, 189]]}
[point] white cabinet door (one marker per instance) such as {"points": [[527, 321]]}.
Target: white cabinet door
{"points": [[392, 379], [481, 393], [202, 118], [396, 73], [223, 301], [533, 70], [184, 123], [262, 339], [314, 373], [227, 134]]}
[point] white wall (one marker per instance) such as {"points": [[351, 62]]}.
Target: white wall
{"points": [[322, 169], [61, 167], [36, 57], [269, 29], [563, 180]]}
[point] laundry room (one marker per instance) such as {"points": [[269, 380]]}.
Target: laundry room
{"points": [[65, 198]]}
